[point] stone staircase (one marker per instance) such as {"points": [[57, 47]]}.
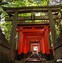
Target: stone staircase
{"points": [[34, 58]]}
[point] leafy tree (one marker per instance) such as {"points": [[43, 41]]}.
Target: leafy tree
{"points": [[20, 3]]}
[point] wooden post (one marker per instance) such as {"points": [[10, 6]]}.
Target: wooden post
{"points": [[13, 34], [33, 17], [52, 26]]}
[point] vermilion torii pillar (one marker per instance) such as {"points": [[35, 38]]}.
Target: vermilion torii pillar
{"points": [[46, 39], [20, 44]]}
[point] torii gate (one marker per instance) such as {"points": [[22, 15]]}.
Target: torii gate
{"points": [[16, 19]]}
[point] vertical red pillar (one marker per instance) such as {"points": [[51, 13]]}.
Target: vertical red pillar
{"points": [[41, 48], [28, 48], [43, 44], [46, 38], [20, 44], [25, 45]]}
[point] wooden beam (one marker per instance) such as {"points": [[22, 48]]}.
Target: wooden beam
{"points": [[43, 22], [27, 18], [32, 24], [32, 9], [30, 18]]}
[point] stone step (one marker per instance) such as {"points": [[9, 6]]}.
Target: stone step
{"points": [[33, 62]]}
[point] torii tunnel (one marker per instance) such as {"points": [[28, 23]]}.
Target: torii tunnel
{"points": [[34, 38]]}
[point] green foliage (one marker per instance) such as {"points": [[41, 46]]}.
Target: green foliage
{"points": [[19, 3], [6, 28]]}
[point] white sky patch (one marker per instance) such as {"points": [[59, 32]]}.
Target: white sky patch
{"points": [[35, 48], [37, 14], [58, 0], [37, 1], [55, 2], [2, 19], [2, 22]]}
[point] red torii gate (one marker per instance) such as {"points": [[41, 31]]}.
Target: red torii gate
{"points": [[31, 34]]}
